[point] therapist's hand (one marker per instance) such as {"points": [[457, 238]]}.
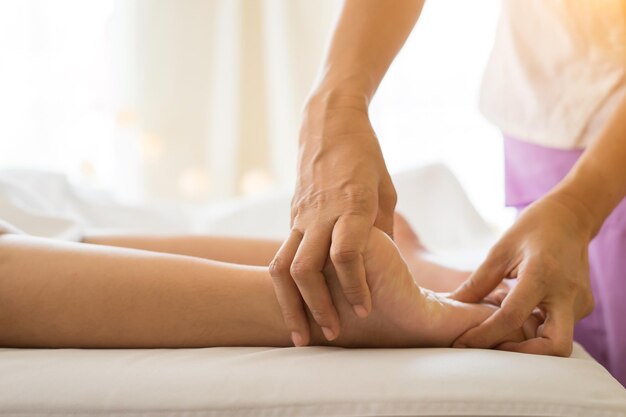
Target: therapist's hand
{"points": [[546, 250], [343, 189]]}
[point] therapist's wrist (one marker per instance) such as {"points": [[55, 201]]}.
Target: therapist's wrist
{"points": [[321, 102], [334, 116], [342, 89], [586, 192], [583, 217]]}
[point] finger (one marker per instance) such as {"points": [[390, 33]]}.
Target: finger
{"points": [[559, 330], [555, 337], [306, 271], [287, 292], [497, 297], [482, 281], [531, 325], [528, 331], [350, 236], [516, 308]]}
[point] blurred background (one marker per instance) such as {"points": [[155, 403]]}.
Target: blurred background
{"points": [[198, 101]]}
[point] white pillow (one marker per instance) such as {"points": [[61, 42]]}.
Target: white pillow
{"points": [[313, 381]]}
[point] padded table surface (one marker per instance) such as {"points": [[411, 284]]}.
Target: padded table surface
{"points": [[312, 381]]}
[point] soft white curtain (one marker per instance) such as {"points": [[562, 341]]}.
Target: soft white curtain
{"points": [[58, 93], [218, 87], [159, 99]]}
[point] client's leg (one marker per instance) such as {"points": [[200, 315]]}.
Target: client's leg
{"points": [[425, 272], [59, 294], [247, 251], [243, 251], [260, 252]]}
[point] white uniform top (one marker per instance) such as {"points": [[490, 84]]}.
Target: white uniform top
{"points": [[557, 70]]}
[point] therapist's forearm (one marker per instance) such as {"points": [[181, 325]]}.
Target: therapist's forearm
{"points": [[367, 38], [597, 182]]}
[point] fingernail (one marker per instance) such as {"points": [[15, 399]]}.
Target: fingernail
{"points": [[360, 311], [296, 339], [328, 333]]}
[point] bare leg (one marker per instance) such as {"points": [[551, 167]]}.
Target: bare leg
{"points": [[225, 249], [59, 294], [426, 273], [260, 252]]}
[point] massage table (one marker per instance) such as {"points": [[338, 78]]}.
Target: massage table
{"points": [[310, 381]]}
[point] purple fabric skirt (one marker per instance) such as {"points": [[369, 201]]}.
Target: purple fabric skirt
{"points": [[530, 172]]}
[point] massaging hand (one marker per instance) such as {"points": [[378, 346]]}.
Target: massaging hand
{"points": [[546, 250], [343, 189]]}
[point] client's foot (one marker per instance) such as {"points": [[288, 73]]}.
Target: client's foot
{"points": [[402, 314]]}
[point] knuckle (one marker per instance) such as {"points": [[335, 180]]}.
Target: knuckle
{"points": [[393, 197], [279, 267], [353, 292], [563, 349], [588, 304], [320, 315], [309, 203], [389, 198], [579, 294], [291, 318], [356, 199], [301, 269], [539, 277], [359, 198], [469, 284], [548, 265], [469, 288], [293, 207], [344, 255], [512, 317], [575, 289], [544, 268]]}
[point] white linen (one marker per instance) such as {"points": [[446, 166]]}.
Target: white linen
{"points": [[557, 70], [316, 381], [45, 204]]}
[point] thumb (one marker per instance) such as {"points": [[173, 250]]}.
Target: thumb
{"points": [[484, 280]]}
